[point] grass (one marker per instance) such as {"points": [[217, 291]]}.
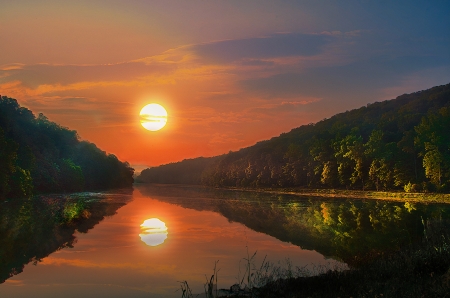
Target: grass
{"points": [[185, 290], [421, 270], [211, 285]]}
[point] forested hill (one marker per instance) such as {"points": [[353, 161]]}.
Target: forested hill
{"points": [[40, 156], [188, 171], [402, 143]]}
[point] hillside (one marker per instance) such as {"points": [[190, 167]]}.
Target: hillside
{"points": [[188, 171], [40, 156], [401, 143]]}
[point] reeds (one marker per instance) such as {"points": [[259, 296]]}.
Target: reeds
{"points": [[211, 284], [185, 290]]}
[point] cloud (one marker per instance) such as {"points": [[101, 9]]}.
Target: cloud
{"points": [[34, 76], [215, 89], [339, 33], [225, 138], [301, 102], [257, 62], [156, 71], [280, 106], [207, 116], [355, 78], [12, 66], [277, 45], [197, 64]]}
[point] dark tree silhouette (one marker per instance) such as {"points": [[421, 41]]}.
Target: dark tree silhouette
{"points": [[40, 156]]}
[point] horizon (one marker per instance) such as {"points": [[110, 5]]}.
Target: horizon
{"points": [[226, 72]]}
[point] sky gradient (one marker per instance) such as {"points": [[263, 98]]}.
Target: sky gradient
{"points": [[229, 73]]}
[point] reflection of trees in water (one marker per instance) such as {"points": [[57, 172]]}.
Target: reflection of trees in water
{"points": [[33, 228], [345, 229]]}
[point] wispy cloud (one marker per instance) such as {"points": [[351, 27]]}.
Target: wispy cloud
{"points": [[301, 102], [12, 66], [277, 45], [226, 138]]}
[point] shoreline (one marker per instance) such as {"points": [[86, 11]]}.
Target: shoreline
{"points": [[442, 198], [393, 196]]}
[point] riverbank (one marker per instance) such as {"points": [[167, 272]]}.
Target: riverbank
{"points": [[356, 194]]}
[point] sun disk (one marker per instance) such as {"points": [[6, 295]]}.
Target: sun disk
{"points": [[153, 117]]}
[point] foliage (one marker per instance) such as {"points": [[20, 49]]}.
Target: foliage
{"points": [[40, 156], [383, 146]]}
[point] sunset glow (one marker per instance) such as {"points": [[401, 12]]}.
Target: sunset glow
{"points": [[92, 65]]}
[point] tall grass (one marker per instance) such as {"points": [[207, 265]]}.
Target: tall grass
{"points": [[211, 290], [185, 290]]}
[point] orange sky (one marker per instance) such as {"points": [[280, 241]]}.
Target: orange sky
{"points": [[229, 73]]}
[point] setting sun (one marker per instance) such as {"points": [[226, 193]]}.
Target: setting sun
{"points": [[153, 117]]}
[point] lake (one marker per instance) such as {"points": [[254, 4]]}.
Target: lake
{"points": [[144, 242]]}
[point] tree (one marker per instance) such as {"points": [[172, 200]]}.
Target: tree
{"points": [[382, 164], [434, 140], [350, 158]]}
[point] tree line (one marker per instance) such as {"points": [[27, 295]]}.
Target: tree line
{"points": [[399, 144], [40, 156]]}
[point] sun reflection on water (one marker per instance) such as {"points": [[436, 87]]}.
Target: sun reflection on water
{"points": [[153, 232]]}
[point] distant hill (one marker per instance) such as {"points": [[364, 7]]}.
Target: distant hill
{"points": [[403, 143], [188, 171], [40, 156]]}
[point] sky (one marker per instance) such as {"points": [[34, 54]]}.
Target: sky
{"points": [[229, 73]]}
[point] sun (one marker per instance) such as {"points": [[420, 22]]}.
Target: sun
{"points": [[153, 117]]}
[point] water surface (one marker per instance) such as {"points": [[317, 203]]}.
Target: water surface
{"points": [[111, 245]]}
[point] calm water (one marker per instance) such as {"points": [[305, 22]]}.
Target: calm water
{"points": [[112, 245]]}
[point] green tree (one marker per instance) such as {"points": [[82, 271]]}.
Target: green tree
{"points": [[382, 162], [434, 140], [71, 176], [406, 169], [350, 157]]}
